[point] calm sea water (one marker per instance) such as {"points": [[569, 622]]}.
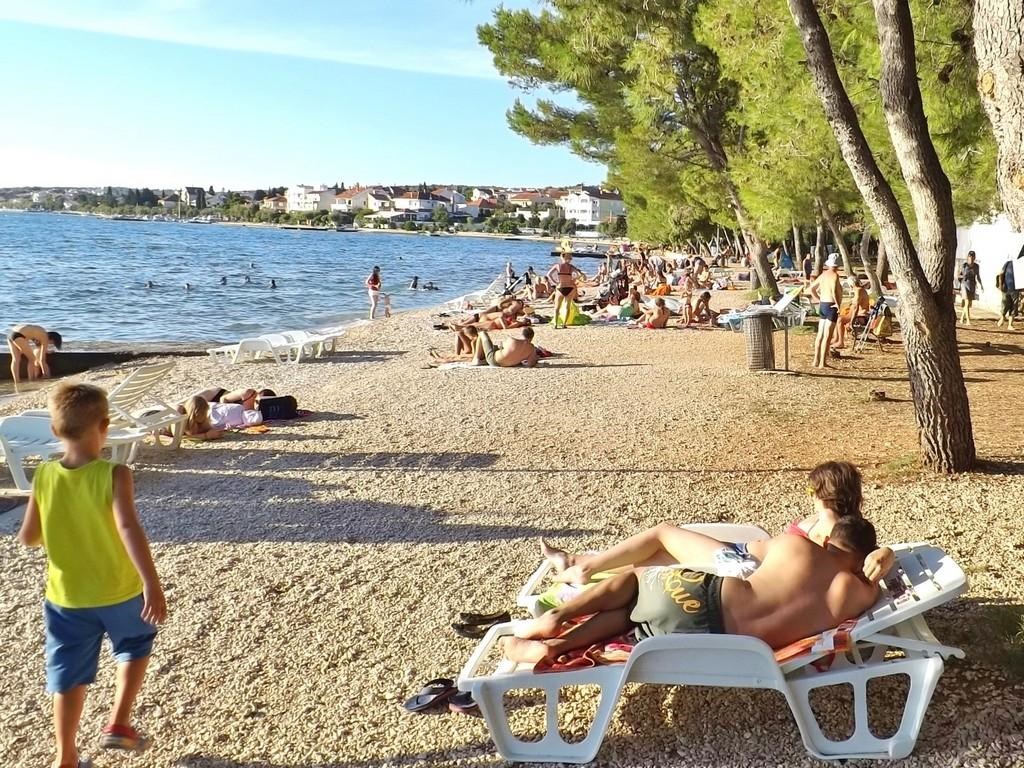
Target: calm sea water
{"points": [[85, 277]]}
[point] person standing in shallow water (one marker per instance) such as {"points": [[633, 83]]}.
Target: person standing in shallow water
{"points": [[373, 288]]}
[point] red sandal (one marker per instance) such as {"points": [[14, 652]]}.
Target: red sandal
{"points": [[124, 737]]}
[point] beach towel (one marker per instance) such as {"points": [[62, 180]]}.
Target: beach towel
{"points": [[617, 650], [574, 317]]}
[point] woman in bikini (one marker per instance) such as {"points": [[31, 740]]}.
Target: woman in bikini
{"points": [[564, 274], [20, 341], [835, 487]]}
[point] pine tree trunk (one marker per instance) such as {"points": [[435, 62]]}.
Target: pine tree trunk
{"points": [[883, 263], [924, 273], [798, 247], [819, 247], [869, 268], [999, 48]]}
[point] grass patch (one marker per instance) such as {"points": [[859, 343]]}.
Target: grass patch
{"points": [[902, 466], [1001, 638]]}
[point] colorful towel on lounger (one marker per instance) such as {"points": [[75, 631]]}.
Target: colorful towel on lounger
{"points": [[617, 650]]}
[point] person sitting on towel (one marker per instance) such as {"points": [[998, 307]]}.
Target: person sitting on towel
{"points": [[800, 589]]}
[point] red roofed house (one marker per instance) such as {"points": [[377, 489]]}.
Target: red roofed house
{"points": [[479, 207]]}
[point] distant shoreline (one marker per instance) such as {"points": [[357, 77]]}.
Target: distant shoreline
{"points": [[361, 230]]}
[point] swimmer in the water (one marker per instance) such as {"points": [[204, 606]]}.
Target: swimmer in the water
{"points": [[224, 280], [252, 265], [248, 280], [415, 284], [273, 283], [430, 286], [188, 286], [150, 284]]}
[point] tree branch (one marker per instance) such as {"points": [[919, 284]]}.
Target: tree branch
{"points": [[853, 145]]}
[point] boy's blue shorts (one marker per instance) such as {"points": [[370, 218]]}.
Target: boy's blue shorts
{"points": [[74, 635]]}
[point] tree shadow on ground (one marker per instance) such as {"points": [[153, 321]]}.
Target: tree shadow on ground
{"points": [[448, 461], [1000, 465], [974, 348], [852, 377], [327, 416], [546, 364], [274, 508], [361, 356]]}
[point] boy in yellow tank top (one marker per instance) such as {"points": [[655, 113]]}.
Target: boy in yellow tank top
{"points": [[100, 576]]}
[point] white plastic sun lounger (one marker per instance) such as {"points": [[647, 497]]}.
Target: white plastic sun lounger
{"points": [[136, 412], [892, 638], [272, 346], [22, 437], [308, 344]]}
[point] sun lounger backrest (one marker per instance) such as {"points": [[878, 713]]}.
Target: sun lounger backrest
{"points": [[924, 576], [137, 386]]}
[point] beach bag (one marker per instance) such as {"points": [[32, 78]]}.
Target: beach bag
{"points": [[883, 327], [275, 408]]}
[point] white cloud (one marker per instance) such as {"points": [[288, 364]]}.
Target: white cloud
{"points": [[189, 22]]}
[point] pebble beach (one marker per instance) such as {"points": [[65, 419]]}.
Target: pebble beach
{"points": [[312, 572]]}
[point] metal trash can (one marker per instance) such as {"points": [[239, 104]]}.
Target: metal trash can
{"points": [[760, 345]]}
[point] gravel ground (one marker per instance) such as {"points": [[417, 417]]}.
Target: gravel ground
{"points": [[312, 572]]}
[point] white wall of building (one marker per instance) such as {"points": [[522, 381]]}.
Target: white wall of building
{"points": [[302, 197], [994, 244], [415, 204], [590, 211]]}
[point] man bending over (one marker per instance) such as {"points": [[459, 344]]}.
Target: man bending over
{"points": [[799, 590]]}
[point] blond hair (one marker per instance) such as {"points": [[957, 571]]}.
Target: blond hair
{"points": [[76, 408], [197, 415]]}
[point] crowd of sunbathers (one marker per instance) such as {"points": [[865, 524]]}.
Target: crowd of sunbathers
{"points": [[820, 572], [615, 292]]}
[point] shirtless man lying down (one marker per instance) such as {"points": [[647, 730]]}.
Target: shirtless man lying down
{"points": [[799, 590]]}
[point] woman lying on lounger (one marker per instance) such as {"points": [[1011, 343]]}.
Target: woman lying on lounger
{"points": [[834, 485]]}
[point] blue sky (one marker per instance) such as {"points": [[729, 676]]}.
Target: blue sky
{"points": [[163, 93]]}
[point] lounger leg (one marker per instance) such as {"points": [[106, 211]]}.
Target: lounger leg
{"points": [[551, 748], [14, 463], [923, 675]]}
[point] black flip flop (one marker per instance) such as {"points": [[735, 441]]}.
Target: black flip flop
{"points": [[434, 692], [463, 704], [472, 631], [484, 618]]}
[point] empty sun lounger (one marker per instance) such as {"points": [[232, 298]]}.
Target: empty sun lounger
{"points": [[307, 344], [890, 639], [137, 412], [22, 437], [272, 346]]}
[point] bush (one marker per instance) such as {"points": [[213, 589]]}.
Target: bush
{"points": [[410, 226]]}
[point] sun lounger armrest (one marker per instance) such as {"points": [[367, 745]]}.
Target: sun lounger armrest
{"points": [[528, 594], [468, 676]]}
